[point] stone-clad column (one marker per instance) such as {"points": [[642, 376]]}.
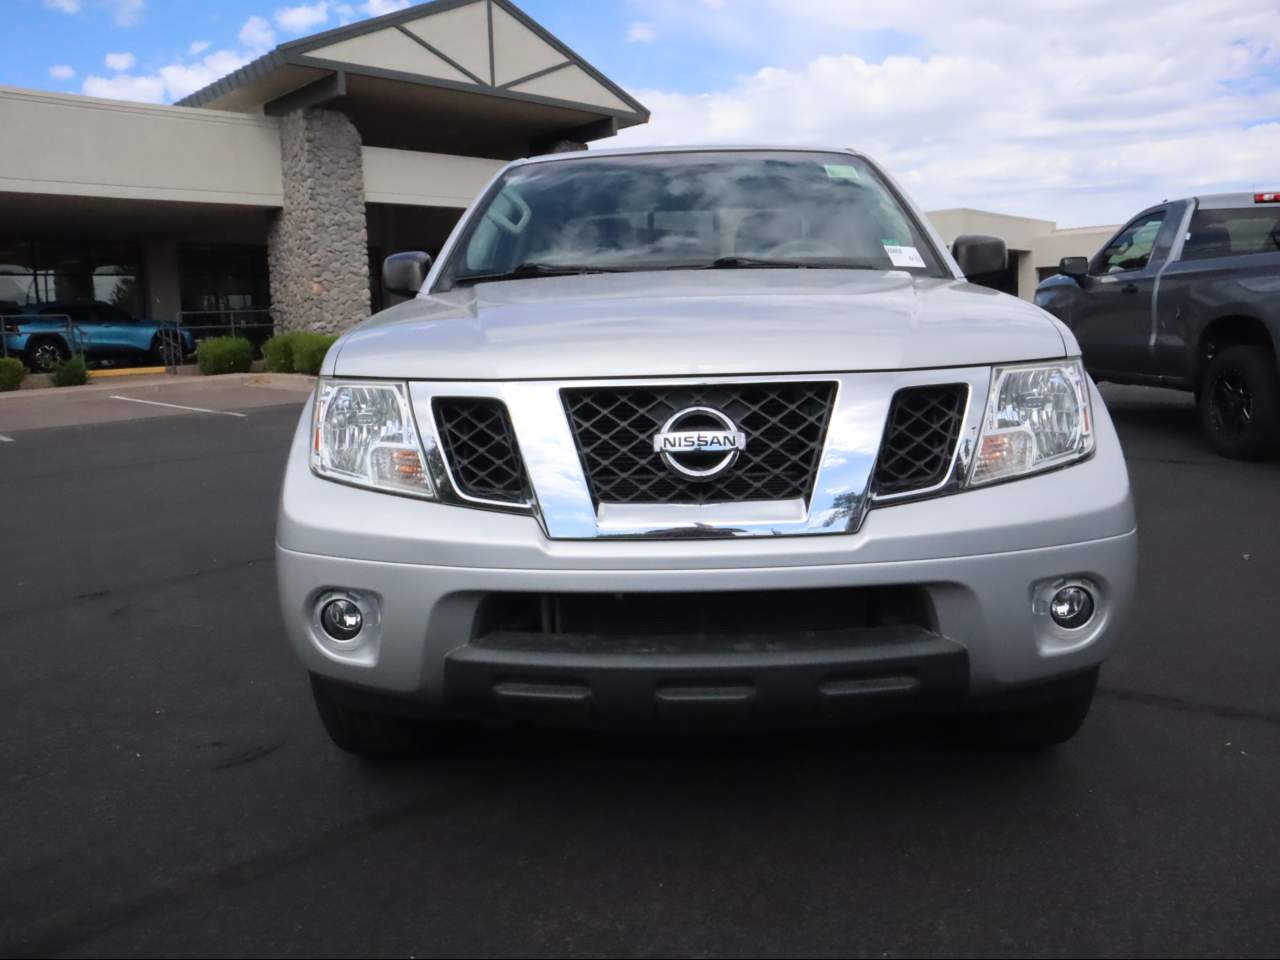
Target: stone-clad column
{"points": [[318, 247]]}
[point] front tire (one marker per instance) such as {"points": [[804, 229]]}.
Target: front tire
{"points": [[1240, 403], [1039, 725], [369, 733]]}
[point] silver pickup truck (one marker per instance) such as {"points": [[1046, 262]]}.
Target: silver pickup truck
{"points": [[687, 438], [1187, 295]]}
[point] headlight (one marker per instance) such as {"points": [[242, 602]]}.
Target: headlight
{"points": [[1038, 417], [364, 434]]}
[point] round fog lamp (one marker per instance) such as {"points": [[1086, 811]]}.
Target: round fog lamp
{"points": [[1071, 607], [341, 619]]}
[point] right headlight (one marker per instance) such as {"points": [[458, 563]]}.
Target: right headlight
{"points": [[1038, 417], [363, 433]]}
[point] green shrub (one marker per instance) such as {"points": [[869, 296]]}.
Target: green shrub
{"points": [[309, 350], [12, 373], [278, 352], [224, 355], [71, 372]]}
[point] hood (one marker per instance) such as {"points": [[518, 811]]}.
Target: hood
{"points": [[693, 323]]}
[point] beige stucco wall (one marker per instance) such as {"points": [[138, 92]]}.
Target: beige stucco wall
{"points": [[424, 179], [83, 146], [1039, 242]]}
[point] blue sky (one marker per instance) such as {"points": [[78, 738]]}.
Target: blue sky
{"points": [[1080, 111]]}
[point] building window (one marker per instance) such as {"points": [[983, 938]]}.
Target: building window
{"points": [[225, 287], [39, 271]]}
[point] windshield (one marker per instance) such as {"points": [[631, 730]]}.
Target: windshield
{"points": [[689, 211]]}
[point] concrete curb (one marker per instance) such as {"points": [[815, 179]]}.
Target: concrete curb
{"points": [[295, 382]]}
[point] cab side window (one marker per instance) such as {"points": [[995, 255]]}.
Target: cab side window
{"points": [[1131, 248], [1232, 233]]}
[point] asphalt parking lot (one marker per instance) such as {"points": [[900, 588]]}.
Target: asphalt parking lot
{"points": [[165, 789]]}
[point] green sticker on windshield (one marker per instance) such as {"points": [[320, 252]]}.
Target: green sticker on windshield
{"points": [[841, 171]]}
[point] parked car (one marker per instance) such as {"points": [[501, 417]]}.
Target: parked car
{"points": [[1187, 295], [45, 334], [685, 438]]}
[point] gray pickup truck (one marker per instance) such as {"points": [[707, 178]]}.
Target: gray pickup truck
{"points": [[1187, 295]]}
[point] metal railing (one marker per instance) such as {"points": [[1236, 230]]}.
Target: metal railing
{"points": [[255, 325]]}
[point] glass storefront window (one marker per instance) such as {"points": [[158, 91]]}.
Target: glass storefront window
{"points": [[42, 271]]}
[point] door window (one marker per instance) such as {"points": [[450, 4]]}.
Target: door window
{"points": [[1131, 248]]}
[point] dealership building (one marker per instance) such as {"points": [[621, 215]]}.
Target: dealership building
{"points": [[272, 194]]}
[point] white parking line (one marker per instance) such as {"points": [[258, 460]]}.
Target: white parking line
{"points": [[178, 406], [4, 439]]}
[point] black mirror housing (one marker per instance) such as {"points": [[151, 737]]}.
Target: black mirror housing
{"points": [[1074, 267], [404, 273], [980, 256]]}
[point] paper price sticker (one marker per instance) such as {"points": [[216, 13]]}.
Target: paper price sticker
{"points": [[903, 256]]}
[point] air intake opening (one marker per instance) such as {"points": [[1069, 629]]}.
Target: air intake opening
{"points": [[743, 621]]}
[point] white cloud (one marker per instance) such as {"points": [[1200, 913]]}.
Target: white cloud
{"points": [[61, 71], [64, 6], [125, 12], [120, 62], [302, 18], [126, 86], [640, 32], [198, 47], [1014, 108], [256, 34], [376, 8], [176, 80]]}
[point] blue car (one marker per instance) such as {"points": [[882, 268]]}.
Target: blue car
{"points": [[43, 335]]}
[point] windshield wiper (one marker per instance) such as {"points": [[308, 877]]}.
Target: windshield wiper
{"points": [[532, 269], [737, 262]]}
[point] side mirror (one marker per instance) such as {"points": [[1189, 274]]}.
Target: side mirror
{"points": [[980, 256], [404, 273], [1074, 267]]}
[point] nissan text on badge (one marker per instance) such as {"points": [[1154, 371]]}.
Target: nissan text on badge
{"points": [[703, 438]]}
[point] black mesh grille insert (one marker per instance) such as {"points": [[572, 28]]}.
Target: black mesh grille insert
{"points": [[785, 424], [481, 448], [919, 437]]}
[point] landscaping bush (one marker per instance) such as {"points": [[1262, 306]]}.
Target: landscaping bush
{"points": [[12, 373], [71, 372], [278, 352], [224, 355], [309, 350]]}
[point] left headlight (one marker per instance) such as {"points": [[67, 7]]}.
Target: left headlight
{"points": [[1038, 417], [363, 433]]}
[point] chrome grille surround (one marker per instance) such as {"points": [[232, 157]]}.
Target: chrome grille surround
{"points": [[841, 494]]}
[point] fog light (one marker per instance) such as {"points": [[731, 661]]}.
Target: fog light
{"points": [[341, 619], [1071, 607]]}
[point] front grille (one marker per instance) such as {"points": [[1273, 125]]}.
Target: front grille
{"points": [[919, 437], [785, 424], [480, 446]]}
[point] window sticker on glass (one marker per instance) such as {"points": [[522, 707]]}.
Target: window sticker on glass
{"points": [[841, 171], [902, 256]]}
